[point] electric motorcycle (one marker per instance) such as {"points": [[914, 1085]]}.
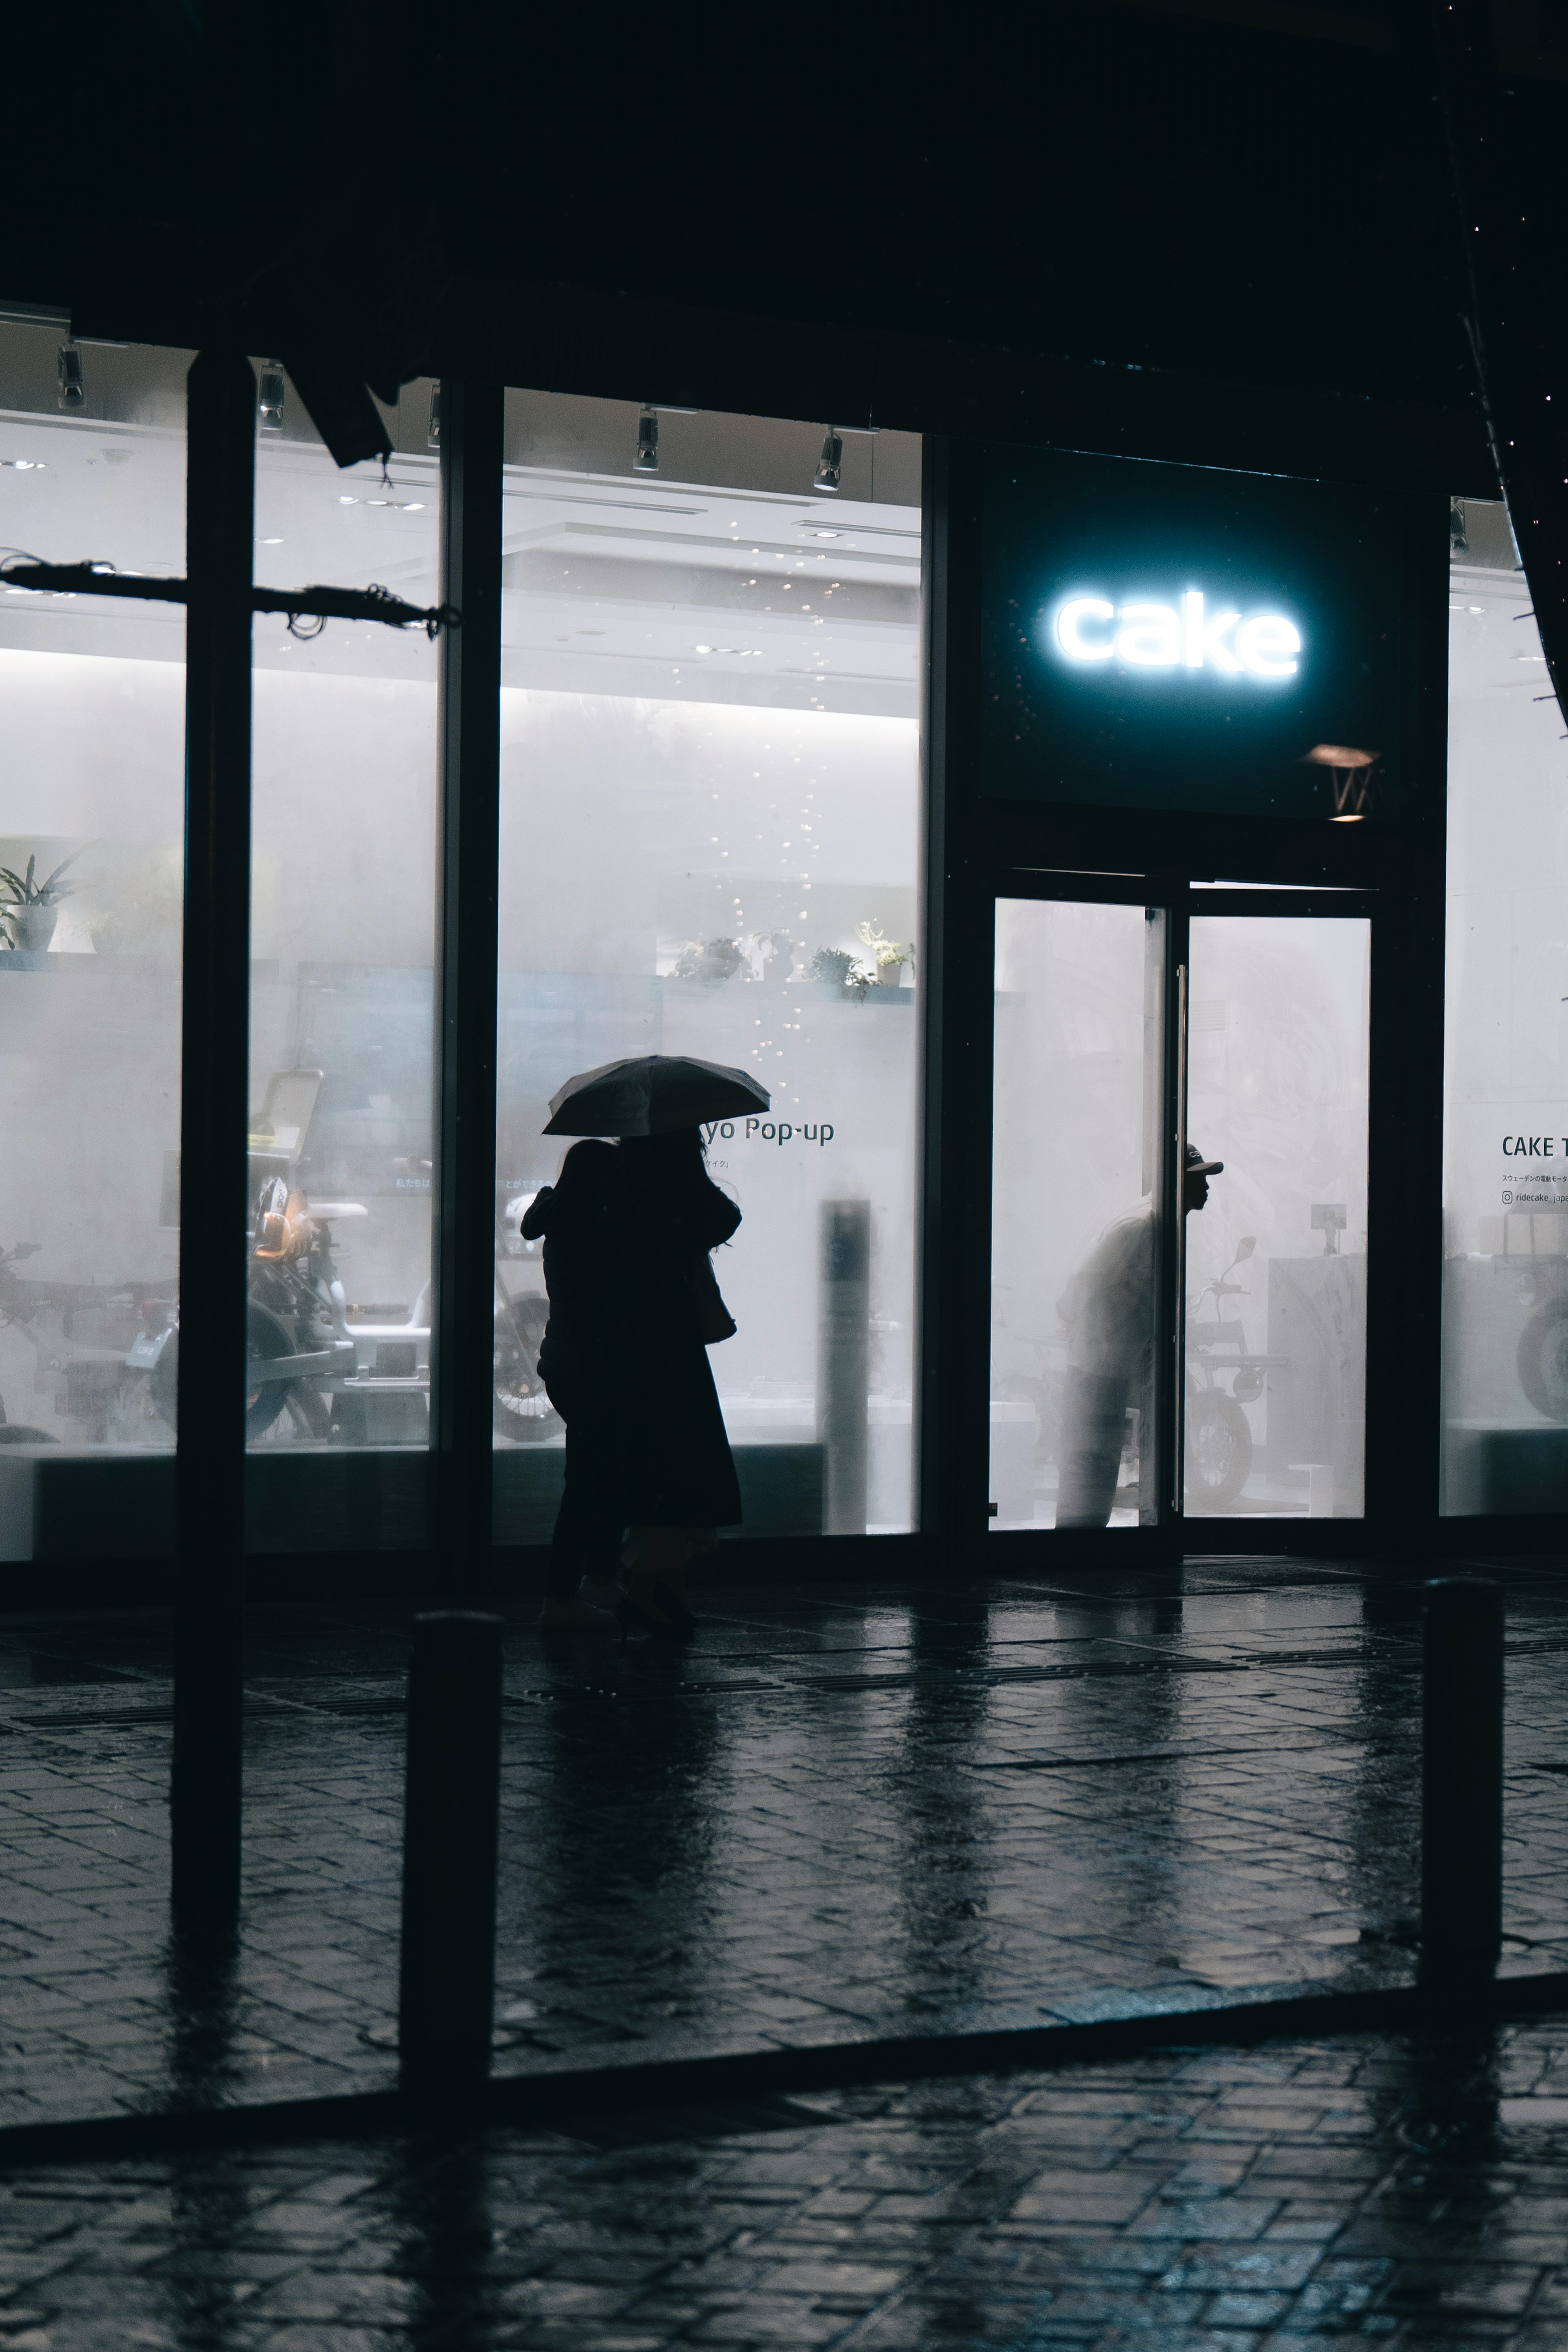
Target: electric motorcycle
{"points": [[313, 1373], [306, 1363], [1219, 1435]]}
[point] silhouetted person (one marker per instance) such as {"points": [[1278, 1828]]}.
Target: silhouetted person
{"points": [[1109, 1308], [680, 1482], [627, 1230], [578, 1366]]}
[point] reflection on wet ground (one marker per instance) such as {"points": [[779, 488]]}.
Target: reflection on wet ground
{"points": [[841, 1813], [1408, 2190]]}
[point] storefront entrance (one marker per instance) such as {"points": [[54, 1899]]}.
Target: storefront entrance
{"points": [[1148, 1367], [1190, 822]]}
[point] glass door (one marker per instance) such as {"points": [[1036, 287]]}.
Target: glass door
{"points": [[1273, 1394], [1078, 1232], [1146, 1367]]}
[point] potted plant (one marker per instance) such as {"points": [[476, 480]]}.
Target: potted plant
{"points": [[836, 968], [29, 909], [889, 956], [713, 960]]}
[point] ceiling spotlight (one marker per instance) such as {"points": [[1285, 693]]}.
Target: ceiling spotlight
{"points": [[829, 464], [433, 438], [269, 407], [646, 461], [73, 392], [1459, 543]]}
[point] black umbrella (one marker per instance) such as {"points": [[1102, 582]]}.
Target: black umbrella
{"points": [[652, 1093]]}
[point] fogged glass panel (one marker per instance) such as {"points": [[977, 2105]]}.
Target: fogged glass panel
{"points": [[1276, 1260], [710, 804], [342, 943], [1075, 1210], [1505, 1162], [91, 816]]}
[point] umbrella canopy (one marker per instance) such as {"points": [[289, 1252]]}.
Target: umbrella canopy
{"points": [[652, 1093]]}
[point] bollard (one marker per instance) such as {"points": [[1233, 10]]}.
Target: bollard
{"points": [[843, 1362], [451, 1827], [1461, 1783]]}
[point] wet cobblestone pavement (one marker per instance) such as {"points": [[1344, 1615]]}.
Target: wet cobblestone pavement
{"points": [[1408, 2192], [839, 1815]]}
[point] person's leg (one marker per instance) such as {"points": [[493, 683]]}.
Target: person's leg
{"points": [[1093, 1426], [579, 1543], [655, 1559]]}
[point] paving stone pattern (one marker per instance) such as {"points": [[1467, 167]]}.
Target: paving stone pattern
{"points": [[840, 1815], [1407, 2193]]}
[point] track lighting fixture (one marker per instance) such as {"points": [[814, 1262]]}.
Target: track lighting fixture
{"points": [[829, 465], [433, 438], [73, 392], [646, 461], [269, 407]]}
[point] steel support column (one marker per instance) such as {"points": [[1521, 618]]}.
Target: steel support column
{"points": [[204, 1788], [464, 1181]]}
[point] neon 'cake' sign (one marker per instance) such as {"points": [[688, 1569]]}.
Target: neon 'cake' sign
{"points": [[1090, 630]]}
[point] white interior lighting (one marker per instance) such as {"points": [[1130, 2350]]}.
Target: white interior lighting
{"points": [[829, 465], [646, 461]]}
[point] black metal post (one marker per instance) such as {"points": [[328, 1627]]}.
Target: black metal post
{"points": [[1461, 1783], [843, 1362], [463, 1187], [451, 1829], [204, 1788]]}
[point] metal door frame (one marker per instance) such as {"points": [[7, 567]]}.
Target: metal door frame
{"points": [[1179, 901]]}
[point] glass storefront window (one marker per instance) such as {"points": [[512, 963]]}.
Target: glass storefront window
{"points": [[1505, 1164], [343, 946], [92, 779], [710, 828]]}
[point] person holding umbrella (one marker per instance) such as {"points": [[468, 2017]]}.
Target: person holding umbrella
{"points": [[646, 1448]]}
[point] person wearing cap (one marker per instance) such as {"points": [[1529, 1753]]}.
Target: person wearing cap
{"points": [[1109, 1310]]}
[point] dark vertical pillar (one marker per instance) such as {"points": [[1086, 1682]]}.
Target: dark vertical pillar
{"points": [[934, 1483], [956, 992], [1461, 1783], [205, 1793], [447, 1989], [463, 1352], [843, 1361]]}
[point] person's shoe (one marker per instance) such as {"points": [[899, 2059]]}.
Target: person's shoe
{"points": [[604, 1593], [572, 1615], [674, 1605], [650, 1607]]}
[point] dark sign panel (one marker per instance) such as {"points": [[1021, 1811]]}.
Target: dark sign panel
{"points": [[1173, 636]]}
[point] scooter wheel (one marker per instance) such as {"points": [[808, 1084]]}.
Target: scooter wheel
{"points": [[1543, 1360], [1219, 1450]]}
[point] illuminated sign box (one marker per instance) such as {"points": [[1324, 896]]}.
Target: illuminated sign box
{"points": [[1173, 636]]}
